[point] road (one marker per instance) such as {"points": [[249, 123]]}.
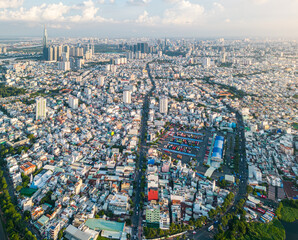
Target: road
{"points": [[137, 213], [242, 150], [203, 233]]}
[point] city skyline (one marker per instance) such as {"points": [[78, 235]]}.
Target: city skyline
{"points": [[148, 18]]}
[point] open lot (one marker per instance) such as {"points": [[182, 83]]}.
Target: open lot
{"points": [[194, 147]]}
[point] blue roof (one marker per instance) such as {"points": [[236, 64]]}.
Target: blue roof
{"points": [[218, 147], [151, 161], [219, 138]]}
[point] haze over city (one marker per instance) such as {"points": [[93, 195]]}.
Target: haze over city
{"points": [[150, 18], [148, 119]]}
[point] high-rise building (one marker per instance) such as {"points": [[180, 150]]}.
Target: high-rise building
{"points": [[41, 108], [163, 105], [64, 66], [66, 49], [206, 62], [45, 43], [59, 52], [50, 54], [144, 48], [127, 97], [55, 53], [73, 102], [101, 81]]}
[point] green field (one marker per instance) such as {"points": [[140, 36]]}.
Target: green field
{"points": [[28, 191]]}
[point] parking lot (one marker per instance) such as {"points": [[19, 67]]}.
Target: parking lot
{"points": [[194, 147]]}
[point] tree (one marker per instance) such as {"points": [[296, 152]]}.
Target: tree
{"points": [[249, 189], [60, 234]]}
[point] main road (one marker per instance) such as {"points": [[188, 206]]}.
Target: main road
{"points": [[203, 234], [137, 213]]}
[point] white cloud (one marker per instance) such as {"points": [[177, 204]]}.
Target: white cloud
{"points": [[11, 3], [138, 2], [44, 12], [218, 6], [56, 13], [147, 20], [183, 12]]}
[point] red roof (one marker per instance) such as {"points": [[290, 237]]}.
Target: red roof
{"points": [[152, 195]]}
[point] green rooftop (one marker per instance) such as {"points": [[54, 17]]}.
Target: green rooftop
{"points": [[101, 224]]}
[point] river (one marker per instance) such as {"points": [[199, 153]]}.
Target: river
{"points": [[291, 230]]}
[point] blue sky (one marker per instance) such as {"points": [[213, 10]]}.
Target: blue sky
{"points": [[150, 18]]}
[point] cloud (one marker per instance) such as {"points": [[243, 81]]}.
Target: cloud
{"points": [[88, 13], [55, 13], [218, 6], [138, 2], [44, 12], [11, 3], [183, 12], [147, 20]]}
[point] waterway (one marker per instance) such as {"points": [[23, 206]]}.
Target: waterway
{"points": [[291, 230]]}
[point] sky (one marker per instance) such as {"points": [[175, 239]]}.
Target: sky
{"points": [[150, 18]]}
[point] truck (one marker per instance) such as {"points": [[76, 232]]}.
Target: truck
{"points": [[210, 228]]}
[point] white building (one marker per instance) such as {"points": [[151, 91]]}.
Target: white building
{"points": [[41, 108], [127, 97], [73, 102], [101, 81], [163, 105], [64, 66], [206, 62]]}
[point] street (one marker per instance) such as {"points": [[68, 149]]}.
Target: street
{"points": [[137, 213]]}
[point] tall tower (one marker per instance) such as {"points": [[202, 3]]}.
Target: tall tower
{"points": [[127, 97], [41, 108], [45, 43]]}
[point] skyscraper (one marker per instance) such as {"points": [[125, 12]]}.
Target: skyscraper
{"points": [[50, 54], [206, 62], [41, 108], [163, 105], [73, 102], [45, 43], [127, 97]]}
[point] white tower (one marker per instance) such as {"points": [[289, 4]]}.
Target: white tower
{"points": [[101, 81], [206, 62], [127, 97], [163, 105], [41, 108], [73, 102]]}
